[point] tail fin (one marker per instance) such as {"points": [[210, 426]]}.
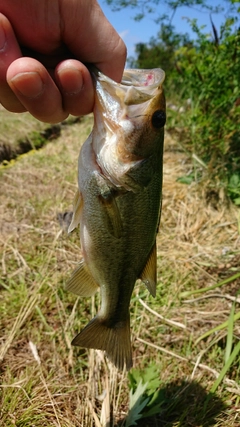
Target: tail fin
{"points": [[115, 341]]}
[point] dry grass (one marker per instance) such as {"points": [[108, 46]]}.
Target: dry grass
{"points": [[46, 382]]}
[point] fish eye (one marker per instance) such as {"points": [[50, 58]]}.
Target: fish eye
{"points": [[158, 119]]}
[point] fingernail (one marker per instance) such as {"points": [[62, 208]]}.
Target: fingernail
{"points": [[2, 39], [29, 84], [71, 80]]}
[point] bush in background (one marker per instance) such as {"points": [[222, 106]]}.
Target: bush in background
{"points": [[203, 79]]}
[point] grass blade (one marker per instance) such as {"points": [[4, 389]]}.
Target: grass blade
{"points": [[230, 334], [210, 288], [218, 328], [231, 359]]}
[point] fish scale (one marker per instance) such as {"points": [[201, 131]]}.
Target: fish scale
{"points": [[118, 205]]}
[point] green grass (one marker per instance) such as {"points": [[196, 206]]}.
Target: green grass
{"points": [[15, 126], [20, 133], [44, 380]]}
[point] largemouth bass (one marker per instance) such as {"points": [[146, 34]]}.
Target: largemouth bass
{"points": [[118, 205]]}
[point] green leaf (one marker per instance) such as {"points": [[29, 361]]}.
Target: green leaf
{"points": [[149, 376], [155, 404], [237, 201], [234, 180], [146, 398], [137, 403], [186, 179]]}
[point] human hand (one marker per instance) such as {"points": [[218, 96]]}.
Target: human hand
{"points": [[43, 47]]}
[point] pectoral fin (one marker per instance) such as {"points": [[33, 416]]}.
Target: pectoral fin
{"points": [[149, 273], [109, 203], [81, 282], [77, 207]]}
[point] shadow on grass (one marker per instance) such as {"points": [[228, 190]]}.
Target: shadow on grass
{"points": [[185, 404]]}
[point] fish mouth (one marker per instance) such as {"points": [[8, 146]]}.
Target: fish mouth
{"points": [[148, 79], [145, 78], [123, 121], [137, 86]]}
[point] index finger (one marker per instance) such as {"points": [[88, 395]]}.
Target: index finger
{"points": [[91, 37]]}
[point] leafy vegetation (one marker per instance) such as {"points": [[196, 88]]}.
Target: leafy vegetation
{"points": [[209, 75], [203, 80], [146, 398]]}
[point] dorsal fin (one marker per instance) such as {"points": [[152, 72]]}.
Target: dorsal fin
{"points": [[149, 273], [81, 282]]}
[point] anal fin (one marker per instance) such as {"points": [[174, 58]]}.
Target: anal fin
{"points": [[81, 282], [149, 273]]}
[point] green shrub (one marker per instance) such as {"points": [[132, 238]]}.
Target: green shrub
{"points": [[209, 74], [202, 81]]}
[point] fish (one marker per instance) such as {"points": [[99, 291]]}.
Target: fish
{"points": [[118, 205]]}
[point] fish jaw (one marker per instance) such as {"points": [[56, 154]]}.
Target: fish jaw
{"points": [[125, 131]]}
